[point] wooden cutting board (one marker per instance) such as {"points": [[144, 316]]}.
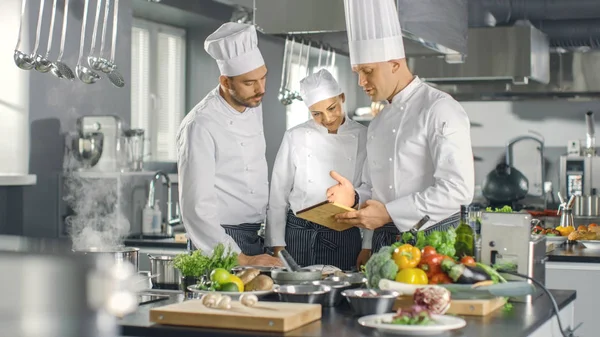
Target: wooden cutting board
{"points": [[461, 307], [265, 316], [323, 214]]}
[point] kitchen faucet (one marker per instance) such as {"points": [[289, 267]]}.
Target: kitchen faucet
{"points": [[509, 154], [171, 221]]}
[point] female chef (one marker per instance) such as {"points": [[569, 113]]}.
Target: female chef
{"points": [[301, 176]]}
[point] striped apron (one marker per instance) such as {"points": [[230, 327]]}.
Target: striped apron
{"points": [[389, 233], [247, 238], [312, 244], [385, 236]]}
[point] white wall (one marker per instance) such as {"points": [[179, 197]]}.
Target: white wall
{"points": [[557, 121], [14, 93]]}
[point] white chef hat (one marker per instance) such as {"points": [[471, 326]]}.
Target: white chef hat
{"points": [[374, 33], [235, 48], [318, 86]]}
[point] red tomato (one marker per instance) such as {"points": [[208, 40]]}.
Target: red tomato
{"points": [[468, 261], [428, 250]]}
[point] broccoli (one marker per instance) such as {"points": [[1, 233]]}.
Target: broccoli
{"points": [[379, 266]]}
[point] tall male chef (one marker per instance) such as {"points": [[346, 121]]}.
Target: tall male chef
{"points": [[419, 156], [223, 183]]}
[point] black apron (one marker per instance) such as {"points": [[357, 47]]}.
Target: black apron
{"points": [[389, 233], [247, 238], [312, 244]]}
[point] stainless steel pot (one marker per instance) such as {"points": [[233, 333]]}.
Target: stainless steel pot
{"points": [[120, 254], [586, 205], [167, 276]]}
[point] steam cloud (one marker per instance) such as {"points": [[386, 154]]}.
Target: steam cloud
{"points": [[98, 221]]}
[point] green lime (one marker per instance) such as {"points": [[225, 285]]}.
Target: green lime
{"points": [[230, 286], [220, 276]]}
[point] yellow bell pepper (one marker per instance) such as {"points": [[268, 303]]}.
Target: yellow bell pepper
{"points": [[412, 276], [406, 256]]}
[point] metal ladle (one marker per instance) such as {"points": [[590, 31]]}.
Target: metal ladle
{"points": [[41, 64], [92, 60], [110, 67], [85, 74], [22, 60], [60, 69], [98, 62]]}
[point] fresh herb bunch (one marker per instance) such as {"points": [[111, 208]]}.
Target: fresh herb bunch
{"points": [[198, 264], [505, 209]]}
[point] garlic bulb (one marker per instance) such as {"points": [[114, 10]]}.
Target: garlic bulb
{"points": [[248, 300], [210, 300], [224, 302]]}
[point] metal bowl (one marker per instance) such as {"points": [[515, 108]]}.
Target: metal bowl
{"points": [[263, 269], [370, 302], [335, 295], [87, 148], [305, 293], [284, 277], [356, 280], [119, 254]]}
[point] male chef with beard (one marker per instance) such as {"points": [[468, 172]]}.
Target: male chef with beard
{"points": [[223, 182], [419, 156]]}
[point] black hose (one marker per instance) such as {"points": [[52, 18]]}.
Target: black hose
{"points": [[565, 333]]}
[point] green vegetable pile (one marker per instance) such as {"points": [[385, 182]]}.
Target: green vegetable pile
{"points": [[443, 242], [379, 266], [505, 209], [198, 264]]}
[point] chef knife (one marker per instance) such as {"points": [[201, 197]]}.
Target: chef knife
{"points": [[416, 228]]}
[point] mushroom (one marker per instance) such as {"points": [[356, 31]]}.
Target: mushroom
{"points": [[210, 300], [224, 302], [248, 300]]}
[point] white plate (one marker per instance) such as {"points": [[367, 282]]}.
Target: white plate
{"points": [[556, 239], [590, 244], [234, 295], [442, 324]]}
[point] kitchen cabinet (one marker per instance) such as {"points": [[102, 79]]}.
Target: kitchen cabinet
{"points": [[583, 278]]}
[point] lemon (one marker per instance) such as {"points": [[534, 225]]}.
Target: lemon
{"points": [[237, 281]]}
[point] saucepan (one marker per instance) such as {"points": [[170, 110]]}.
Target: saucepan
{"points": [[119, 254], [167, 276]]}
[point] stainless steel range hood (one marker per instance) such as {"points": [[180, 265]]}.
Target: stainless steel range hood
{"points": [[573, 76], [430, 27], [516, 55]]}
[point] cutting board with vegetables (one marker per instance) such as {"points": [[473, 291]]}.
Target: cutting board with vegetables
{"points": [[475, 307], [264, 316]]}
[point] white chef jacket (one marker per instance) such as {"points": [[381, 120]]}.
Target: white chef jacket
{"points": [[300, 178], [223, 177], [420, 160]]}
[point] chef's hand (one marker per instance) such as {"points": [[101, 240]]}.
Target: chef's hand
{"points": [[363, 257], [259, 260], [342, 192], [371, 215]]}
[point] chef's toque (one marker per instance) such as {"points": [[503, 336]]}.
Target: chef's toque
{"points": [[318, 86], [235, 48], [374, 33]]}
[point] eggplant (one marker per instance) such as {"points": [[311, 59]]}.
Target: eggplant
{"points": [[463, 274]]}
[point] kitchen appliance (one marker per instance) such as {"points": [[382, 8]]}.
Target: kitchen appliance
{"points": [[134, 148], [507, 242], [87, 149], [111, 129], [505, 185], [579, 175], [167, 276]]}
